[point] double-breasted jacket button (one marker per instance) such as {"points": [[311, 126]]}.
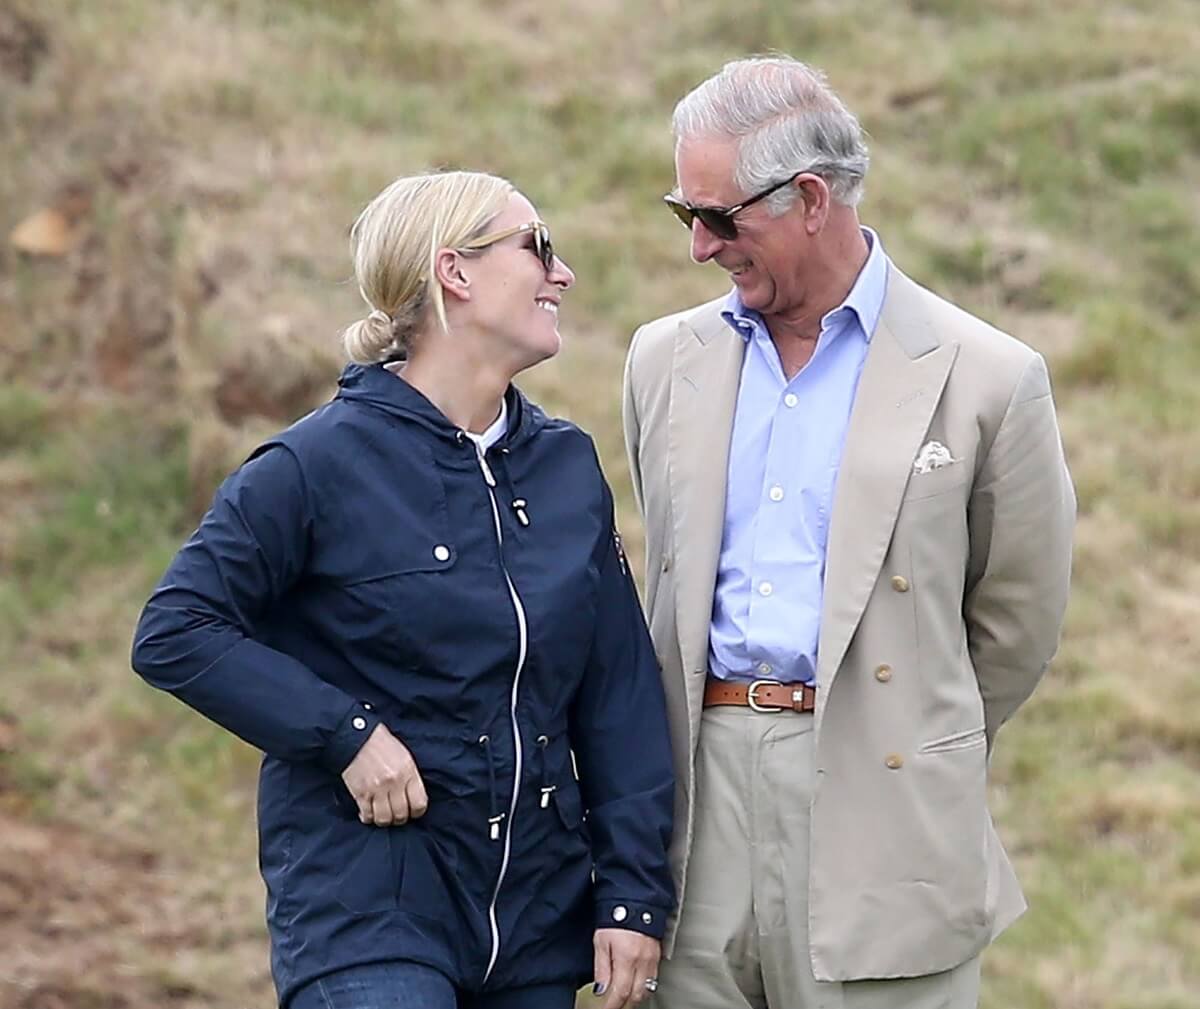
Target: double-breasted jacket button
{"points": [[441, 553], [900, 583], [894, 761], [883, 673]]}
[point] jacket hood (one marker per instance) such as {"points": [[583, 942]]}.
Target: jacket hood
{"points": [[374, 386]]}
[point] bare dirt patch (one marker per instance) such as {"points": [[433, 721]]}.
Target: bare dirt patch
{"points": [[62, 892], [89, 921]]}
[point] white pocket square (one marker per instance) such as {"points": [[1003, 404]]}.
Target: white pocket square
{"points": [[933, 455]]}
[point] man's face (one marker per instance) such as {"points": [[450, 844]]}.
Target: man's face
{"points": [[766, 259]]}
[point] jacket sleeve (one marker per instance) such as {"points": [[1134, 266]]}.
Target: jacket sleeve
{"points": [[1021, 514], [622, 749], [195, 638]]}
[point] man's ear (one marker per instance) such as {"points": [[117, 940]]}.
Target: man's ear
{"points": [[448, 271], [815, 195]]}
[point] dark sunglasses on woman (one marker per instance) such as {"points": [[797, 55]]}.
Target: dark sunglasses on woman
{"points": [[542, 247]]}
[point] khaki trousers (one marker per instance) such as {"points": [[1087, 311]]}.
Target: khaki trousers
{"points": [[743, 929]]}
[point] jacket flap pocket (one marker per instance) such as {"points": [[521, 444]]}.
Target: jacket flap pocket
{"points": [[413, 555], [569, 805], [955, 741]]}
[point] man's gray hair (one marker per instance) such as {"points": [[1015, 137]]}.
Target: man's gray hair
{"points": [[787, 119]]}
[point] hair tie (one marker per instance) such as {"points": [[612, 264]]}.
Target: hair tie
{"points": [[380, 318]]}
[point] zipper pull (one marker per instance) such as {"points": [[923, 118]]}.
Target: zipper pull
{"points": [[494, 826], [519, 507], [546, 790]]}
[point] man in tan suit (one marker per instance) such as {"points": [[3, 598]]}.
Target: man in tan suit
{"points": [[858, 522]]}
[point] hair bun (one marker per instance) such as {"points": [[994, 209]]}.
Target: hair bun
{"points": [[370, 340], [380, 319]]}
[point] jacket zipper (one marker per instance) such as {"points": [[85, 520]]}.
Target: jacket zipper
{"points": [[523, 633]]}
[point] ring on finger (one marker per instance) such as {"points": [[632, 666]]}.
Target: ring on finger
{"points": [[651, 984]]}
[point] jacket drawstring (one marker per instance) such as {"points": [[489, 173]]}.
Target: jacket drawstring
{"points": [[543, 744], [496, 817], [519, 505]]}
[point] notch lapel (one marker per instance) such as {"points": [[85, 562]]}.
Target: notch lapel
{"points": [[704, 384], [902, 381]]}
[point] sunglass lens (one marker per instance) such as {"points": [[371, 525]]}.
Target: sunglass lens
{"points": [[682, 213], [544, 248], [721, 225]]}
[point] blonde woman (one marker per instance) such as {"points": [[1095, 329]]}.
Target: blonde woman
{"points": [[415, 602]]}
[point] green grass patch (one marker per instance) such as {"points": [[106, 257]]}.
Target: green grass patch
{"points": [[25, 416], [108, 493]]}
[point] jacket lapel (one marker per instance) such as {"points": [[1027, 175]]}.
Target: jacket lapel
{"points": [[902, 380], [704, 384]]}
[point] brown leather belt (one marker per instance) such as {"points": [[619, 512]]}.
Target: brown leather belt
{"points": [[761, 695]]}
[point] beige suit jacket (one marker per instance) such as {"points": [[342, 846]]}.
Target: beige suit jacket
{"points": [[944, 597]]}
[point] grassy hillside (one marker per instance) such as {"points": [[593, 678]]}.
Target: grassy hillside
{"points": [[197, 166]]}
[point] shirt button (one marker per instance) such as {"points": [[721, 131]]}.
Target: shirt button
{"points": [[776, 493], [620, 912], [765, 588], [764, 668], [894, 761], [791, 399], [647, 917], [884, 673], [900, 583], [441, 553], [359, 722]]}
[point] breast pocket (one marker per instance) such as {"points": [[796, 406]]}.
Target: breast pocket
{"points": [[415, 554], [936, 481], [405, 585]]}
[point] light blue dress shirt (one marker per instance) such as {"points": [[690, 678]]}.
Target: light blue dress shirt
{"points": [[783, 462]]}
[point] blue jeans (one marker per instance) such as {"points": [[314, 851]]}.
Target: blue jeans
{"points": [[401, 984]]}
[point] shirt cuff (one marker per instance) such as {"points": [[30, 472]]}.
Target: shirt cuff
{"points": [[347, 739], [633, 915]]}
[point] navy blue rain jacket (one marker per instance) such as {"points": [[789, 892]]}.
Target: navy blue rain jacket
{"points": [[365, 565]]}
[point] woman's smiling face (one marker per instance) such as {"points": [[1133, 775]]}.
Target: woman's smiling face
{"points": [[513, 297]]}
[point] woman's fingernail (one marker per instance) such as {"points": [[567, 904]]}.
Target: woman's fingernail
{"points": [[599, 988]]}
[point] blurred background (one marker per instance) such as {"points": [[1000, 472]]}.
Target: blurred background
{"points": [[178, 181]]}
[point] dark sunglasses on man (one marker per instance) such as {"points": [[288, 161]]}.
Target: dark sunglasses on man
{"points": [[541, 246], [719, 220]]}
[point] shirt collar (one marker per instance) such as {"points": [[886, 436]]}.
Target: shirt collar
{"points": [[495, 431], [865, 299]]}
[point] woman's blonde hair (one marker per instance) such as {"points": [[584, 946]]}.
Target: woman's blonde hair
{"points": [[394, 245]]}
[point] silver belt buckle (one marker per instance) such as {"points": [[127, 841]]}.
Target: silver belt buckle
{"points": [[753, 702]]}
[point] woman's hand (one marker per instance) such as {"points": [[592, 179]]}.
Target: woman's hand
{"points": [[385, 782], [624, 959]]}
